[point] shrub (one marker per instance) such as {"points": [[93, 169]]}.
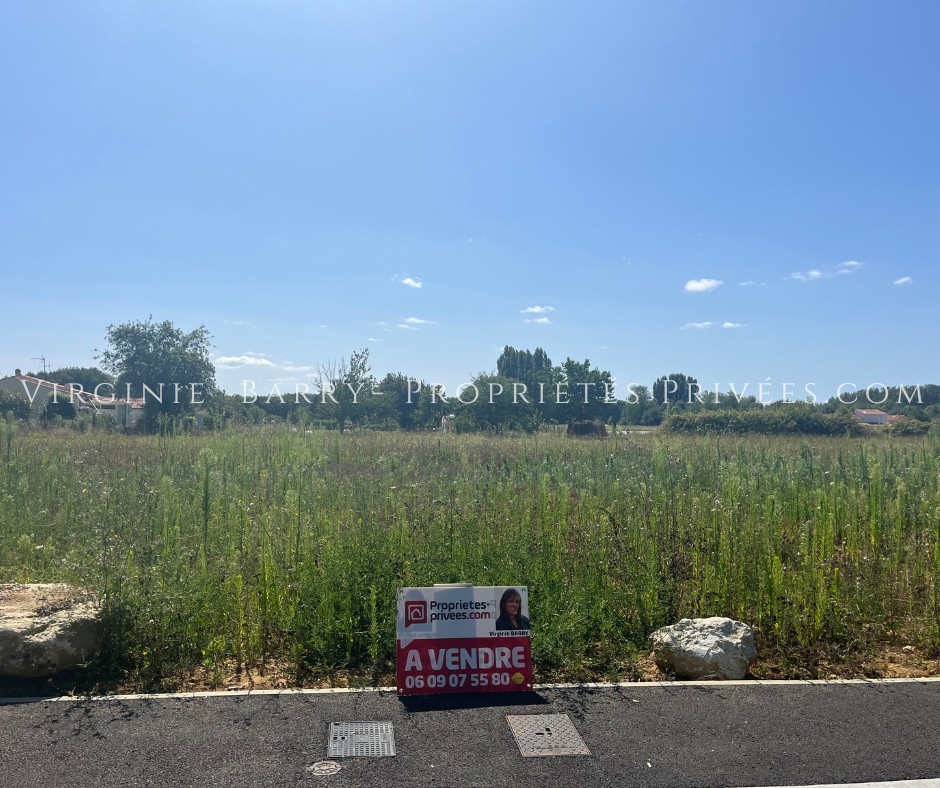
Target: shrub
{"points": [[909, 427], [59, 409], [796, 420], [15, 404], [587, 429]]}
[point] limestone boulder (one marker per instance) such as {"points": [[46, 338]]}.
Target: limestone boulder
{"points": [[46, 628], [705, 648]]}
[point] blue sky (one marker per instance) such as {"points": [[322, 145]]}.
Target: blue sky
{"points": [[285, 173]]}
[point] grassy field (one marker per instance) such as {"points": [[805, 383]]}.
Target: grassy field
{"points": [[281, 547]]}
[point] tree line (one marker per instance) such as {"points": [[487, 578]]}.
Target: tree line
{"points": [[524, 392]]}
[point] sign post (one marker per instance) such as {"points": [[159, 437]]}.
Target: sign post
{"points": [[463, 638]]}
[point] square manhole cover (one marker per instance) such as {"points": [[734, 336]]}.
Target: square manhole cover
{"points": [[361, 740], [546, 734]]}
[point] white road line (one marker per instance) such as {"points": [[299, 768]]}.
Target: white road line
{"points": [[742, 683], [934, 783], [633, 685]]}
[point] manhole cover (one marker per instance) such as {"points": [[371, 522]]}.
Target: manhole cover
{"points": [[324, 768], [361, 740], [546, 734]]}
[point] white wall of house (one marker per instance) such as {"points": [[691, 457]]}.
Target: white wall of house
{"points": [[870, 418], [127, 417], [25, 389]]}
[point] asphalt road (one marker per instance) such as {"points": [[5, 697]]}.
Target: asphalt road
{"points": [[639, 735]]}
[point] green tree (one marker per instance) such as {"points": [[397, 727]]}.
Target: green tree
{"points": [[492, 407], [86, 377], [637, 402], [345, 389], [728, 400], [525, 366], [584, 393], [392, 406], [535, 371], [172, 364], [431, 408], [673, 390]]}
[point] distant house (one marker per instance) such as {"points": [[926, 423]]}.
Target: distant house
{"points": [[893, 418], [870, 416], [38, 392], [126, 413]]}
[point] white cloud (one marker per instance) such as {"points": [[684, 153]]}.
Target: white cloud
{"points": [[374, 339], [807, 276], [702, 285], [407, 327], [246, 360], [543, 321], [322, 326], [904, 280], [712, 324], [814, 274], [746, 284], [535, 310], [850, 265], [250, 359], [239, 322], [417, 321], [414, 282]]}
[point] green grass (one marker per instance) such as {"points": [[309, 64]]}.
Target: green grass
{"points": [[275, 545]]}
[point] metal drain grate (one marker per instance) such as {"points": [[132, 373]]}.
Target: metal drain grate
{"points": [[361, 740], [546, 734]]}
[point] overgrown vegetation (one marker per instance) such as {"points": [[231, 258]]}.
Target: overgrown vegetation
{"points": [[279, 545], [793, 419]]}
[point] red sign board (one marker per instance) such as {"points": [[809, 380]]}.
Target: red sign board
{"points": [[463, 639]]}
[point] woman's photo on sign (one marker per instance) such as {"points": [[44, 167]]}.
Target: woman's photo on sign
{"points": [[510, 612]]}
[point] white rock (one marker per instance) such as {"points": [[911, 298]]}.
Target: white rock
{"points": [[45, 628], [705, 648]]}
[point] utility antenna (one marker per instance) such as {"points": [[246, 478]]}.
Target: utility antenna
{"points": [[43, 360]]}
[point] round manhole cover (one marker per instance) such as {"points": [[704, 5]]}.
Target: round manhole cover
{"points": [[324, 768]]}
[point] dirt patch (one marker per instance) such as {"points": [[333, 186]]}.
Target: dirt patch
{"points": [[271, 675], [18, 600], [892, 662]]}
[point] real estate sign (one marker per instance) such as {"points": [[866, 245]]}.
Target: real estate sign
{"points": [[462, 638]]}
